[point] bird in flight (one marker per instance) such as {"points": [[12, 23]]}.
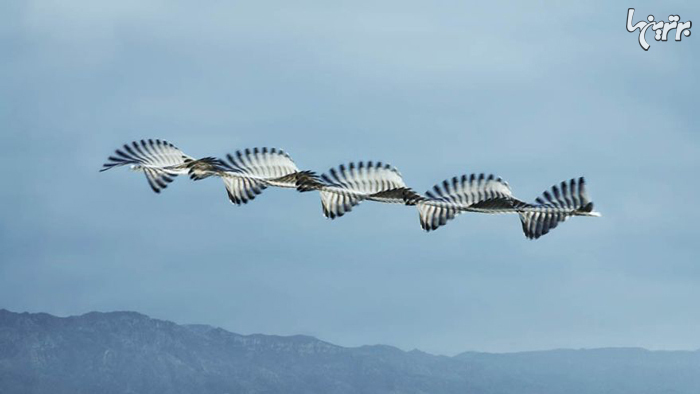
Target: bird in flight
{"points": [[346, 186], [159, 160], [247, 173], [492, 195]]}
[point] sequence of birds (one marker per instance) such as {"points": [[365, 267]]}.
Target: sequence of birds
{"points": [[247, 173]]}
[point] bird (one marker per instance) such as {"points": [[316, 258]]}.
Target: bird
{"points": [[566, 199], [343, 187], [490, 194], [159, 160], [248, 172]]}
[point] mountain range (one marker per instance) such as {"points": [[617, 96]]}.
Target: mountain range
{"points": [[127, 352]]}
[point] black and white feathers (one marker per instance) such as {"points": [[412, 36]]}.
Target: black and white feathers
{"points": [[561, 202], [467, 193], [247, 173], [490, 194], [343, 187], [159, 160]]}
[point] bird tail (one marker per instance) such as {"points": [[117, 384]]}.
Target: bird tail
{"points": [[554, 206]]}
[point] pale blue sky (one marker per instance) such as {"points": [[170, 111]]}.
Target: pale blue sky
{"points": [[535, 93]]}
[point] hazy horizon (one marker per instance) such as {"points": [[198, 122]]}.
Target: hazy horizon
{"points": [[355, 346]]}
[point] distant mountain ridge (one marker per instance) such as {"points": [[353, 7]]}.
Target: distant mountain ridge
{"points": [[127, 352]]}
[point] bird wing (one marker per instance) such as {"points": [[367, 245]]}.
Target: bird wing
{"points": [[345, 186], [554, 206], [149, 154], [474, 192], [161, 161], [265, 164], [241, 190]]}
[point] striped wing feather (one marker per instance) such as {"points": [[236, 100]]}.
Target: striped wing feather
{"points": [[147, 153], [554, 206], [261, 163], [161, 161], [475, 192], [364, 178], [158, 179], [242, 190], [246, 173], [336, 204], [345, 186], [432, 216], [468, 190]]}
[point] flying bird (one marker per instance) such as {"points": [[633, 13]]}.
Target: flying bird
{"points": [[468, 193], [564, 201], [492, 195], [247, 173], [159, 160], [345, 186]]}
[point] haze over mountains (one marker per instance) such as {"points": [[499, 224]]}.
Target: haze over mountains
{"points": [[127, 352]]}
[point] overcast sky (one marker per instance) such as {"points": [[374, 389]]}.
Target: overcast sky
{"points": [[535, 93]]}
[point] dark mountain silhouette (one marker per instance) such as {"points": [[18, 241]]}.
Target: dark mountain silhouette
{"points": [[126, 352]]}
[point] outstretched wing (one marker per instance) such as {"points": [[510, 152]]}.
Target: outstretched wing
{"points": [[268, 164], [345, 186], [567, 196], [147, 153], [469, 190], [555, 206], [246, 173], [365, 178], [242, 190], [434, 215], [337, 203], [476, 193], [161, 161]]}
